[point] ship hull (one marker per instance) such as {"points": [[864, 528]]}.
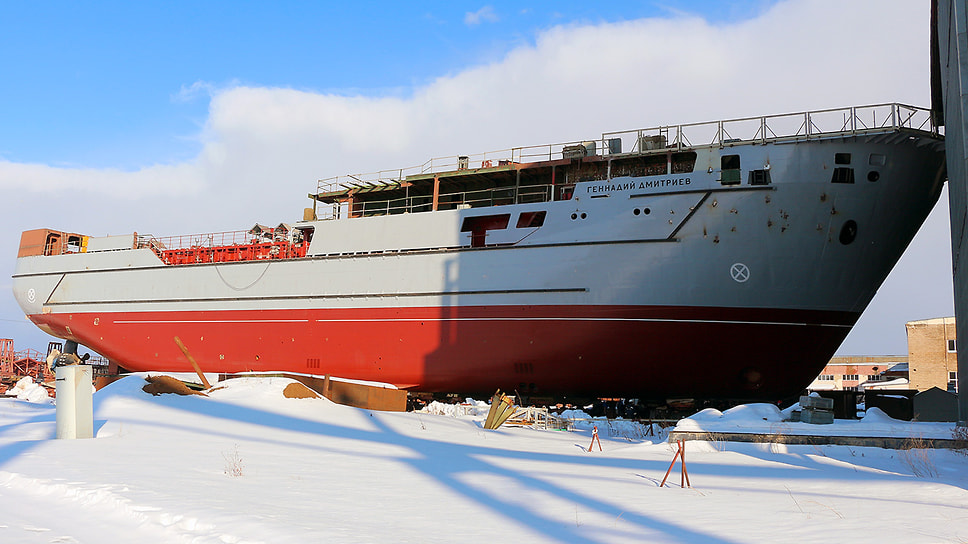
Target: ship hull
{"points": [[654, 352], [651, 286]]}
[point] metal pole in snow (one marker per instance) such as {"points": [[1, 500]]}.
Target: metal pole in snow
{"points": [[75, 401], [595, 439], [681, 456]]}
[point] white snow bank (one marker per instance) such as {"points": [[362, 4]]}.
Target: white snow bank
{"points": [[29, 391], [614, 428], [736, 418], [575, 414], [580, 420], [876, 415], [753, 412], [577, 420], [708, 414], [470, 407], [767, 419]]}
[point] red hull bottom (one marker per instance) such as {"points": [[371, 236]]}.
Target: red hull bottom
{"points": [[628, 351]]}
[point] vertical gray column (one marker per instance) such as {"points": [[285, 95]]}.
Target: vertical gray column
{"points": [[951, 58]]}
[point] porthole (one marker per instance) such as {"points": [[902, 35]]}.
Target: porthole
{"points": [[873, 175], [848, 232], [646, 211], [584, 215], [574, 216], [636, 211]]}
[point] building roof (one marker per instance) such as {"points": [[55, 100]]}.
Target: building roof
{"points": [[822, 386], [932, 321], [885, 364], [867, 359], [899, 383]]}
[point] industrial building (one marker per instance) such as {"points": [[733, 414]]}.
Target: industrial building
{"points": [[932, 354], [855, 373], [931, 361]]}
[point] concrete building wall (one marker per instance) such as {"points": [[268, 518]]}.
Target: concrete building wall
{"points": [[932, 355]]}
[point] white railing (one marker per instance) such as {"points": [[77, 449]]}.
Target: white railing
{"points": [[810, 125], [856, 120]]}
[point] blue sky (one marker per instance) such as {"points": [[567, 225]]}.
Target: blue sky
{"points": [[181, 117], [108, 84]]}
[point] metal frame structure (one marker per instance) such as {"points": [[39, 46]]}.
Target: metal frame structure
{"points": [[28, 362]]}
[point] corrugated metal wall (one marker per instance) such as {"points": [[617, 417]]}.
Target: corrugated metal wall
{"points": [[950, 84]]}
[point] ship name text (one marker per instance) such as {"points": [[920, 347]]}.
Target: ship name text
{"points": [[630, 185]]}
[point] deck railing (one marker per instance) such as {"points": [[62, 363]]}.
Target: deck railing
{"points": [[450, 201], [208, 239], [803, 126], [217, 247]]}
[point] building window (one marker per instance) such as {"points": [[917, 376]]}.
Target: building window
{"points": [[873, 377], [952, 376], [851, 377], [951, 346], [826, 377]]}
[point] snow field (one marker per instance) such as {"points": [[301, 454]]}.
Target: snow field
{"points": [[248, 465]]}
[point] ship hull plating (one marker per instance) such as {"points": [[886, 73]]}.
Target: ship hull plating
{"points": [[585, 350], [650, 286]]}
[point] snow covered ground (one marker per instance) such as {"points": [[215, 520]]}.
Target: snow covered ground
{"points": [[768, 419], [247, 464]]}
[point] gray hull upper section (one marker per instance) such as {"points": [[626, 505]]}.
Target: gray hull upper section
{"points": [[674, 240]]}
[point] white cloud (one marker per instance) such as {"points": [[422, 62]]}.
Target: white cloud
{"points": [[193, 91], [175, 180], [484, 15]]}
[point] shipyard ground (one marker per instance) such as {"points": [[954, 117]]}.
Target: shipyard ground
{"points": [[247, 464]]}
